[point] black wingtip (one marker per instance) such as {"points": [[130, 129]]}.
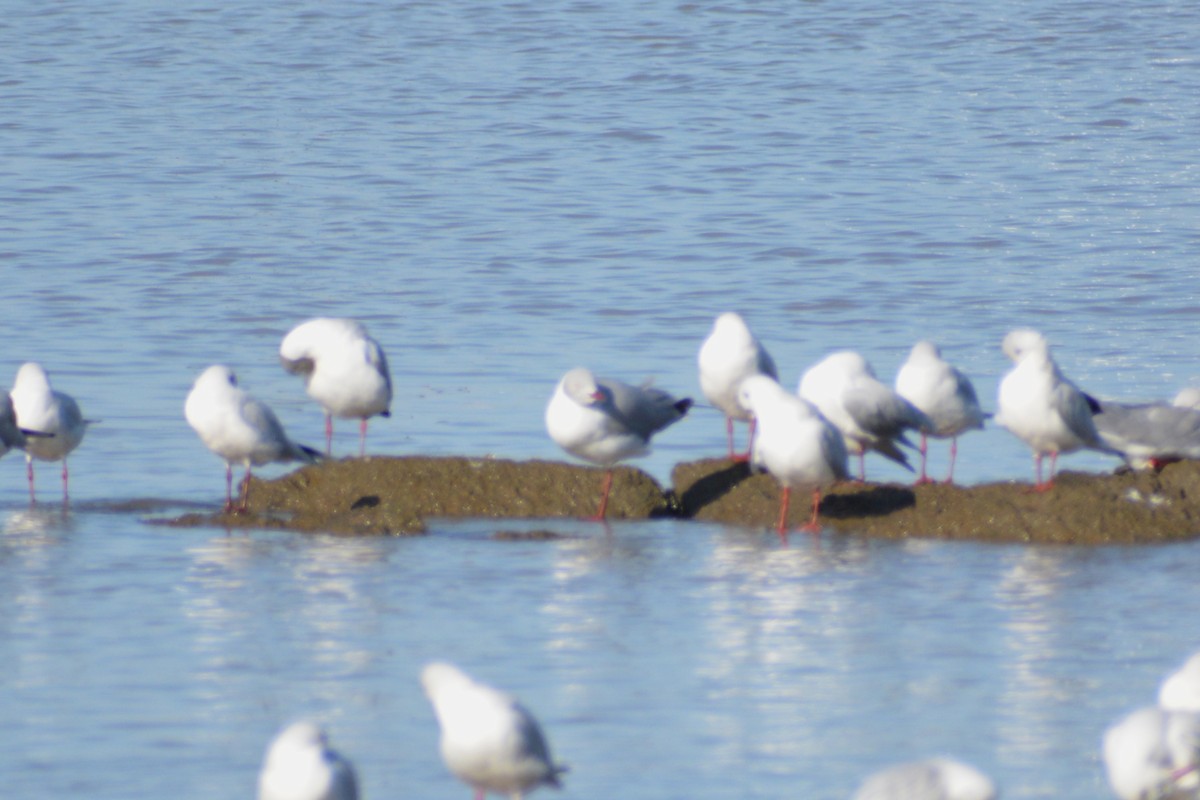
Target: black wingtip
{"points": [[683, 405], [1093, 403]]}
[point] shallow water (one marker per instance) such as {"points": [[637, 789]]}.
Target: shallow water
{"points": [[503, 193]]}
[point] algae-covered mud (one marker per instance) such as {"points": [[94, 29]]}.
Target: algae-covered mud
{"points": [[398, 495]]}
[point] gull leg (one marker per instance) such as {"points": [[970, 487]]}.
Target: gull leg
{"points": [[749, 442], [362, 438], [328, 435], [29, 475], [228, 488], [814, 526], [605, 489], [65, 475], [953, 456], [924, 450]]}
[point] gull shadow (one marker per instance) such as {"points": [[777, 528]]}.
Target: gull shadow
{"points": [[711, 488], [875, 501]]}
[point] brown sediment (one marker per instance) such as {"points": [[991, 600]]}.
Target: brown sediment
{"points": [[384, 495]]}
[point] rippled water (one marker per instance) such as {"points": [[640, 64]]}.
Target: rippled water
{"points": [[502, 192]]}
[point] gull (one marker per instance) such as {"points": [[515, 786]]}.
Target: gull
{"points": [[238, 428], [1149, 435], [1180, 691], [605, 421], [488, 740], [870, 415], [943, 394], [795, 443], [930, 779], [1041, 407], [53, 414], [729, 355], [1154, 753], [344, 370], [300, 765], [1187, 398]]}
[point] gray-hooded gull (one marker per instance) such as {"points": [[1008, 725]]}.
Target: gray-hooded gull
{"points": [[605, 421], [344, 370], [942, 393], [729, 355], [797, 445], [870, 414], [488, 740], [238, 427]]}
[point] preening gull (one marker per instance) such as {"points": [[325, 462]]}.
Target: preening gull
{"points": [[797, 445], [488, 740], [944, 395], [605, 421], [729, 355], [870, 414], [238, 428], [930, 779], [344, 370], [1041, 407], [300, 765], [1154, 753], [53, 414]]}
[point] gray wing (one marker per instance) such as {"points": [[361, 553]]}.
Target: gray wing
{"points": [[344, 784], [1076, 410], [533, 748], [1149, 430], [881, 412], [643, 410], [274, 442]]}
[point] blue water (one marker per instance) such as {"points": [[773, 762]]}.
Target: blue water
{"points": [[501, 193]]}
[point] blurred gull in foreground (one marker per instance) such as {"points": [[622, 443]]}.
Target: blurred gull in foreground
{"points": [[870, 415], [238, 428], [1041, 407], [729, 355], [1152, 754], [300, 765], [1180, 691], [488, 740], [944, 395], [344, 370], [54, 414], [795, 443], [606, 421], [931, 779]]}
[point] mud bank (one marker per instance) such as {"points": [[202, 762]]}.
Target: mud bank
{"points": [[396, 496]]}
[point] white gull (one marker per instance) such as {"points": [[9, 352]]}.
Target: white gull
{"points": [[344, 370], [56, 415], [1153, 753], [1041, 407], [1180, 691], [238, 428], [605, 421], [797, 445], [300, 765], [943, 394], [930, 779], [870, 414], [729, 355], [488, 740]]}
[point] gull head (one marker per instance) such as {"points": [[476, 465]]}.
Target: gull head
{"points": [[1022, 342]]}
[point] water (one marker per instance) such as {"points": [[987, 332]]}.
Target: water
{"points": [[503, 192]]}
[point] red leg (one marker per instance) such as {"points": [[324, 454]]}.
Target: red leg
{"points": [[924, 449], [65, 474], [328, 435], [245, 488], [228, 488], [729, 437], [814, 525], [1045, 486], [605, 489], [953, 456], [749, 443], [781, 526], [362, 438], [862, 466]]}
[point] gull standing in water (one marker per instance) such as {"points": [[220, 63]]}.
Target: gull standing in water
{"points": [[344, 370], [605, 421], [870, 415], [1154, 753], [729, 355], [944, 395], [931, 779], [795, 443], [238, 428], [1041, 407], [300, 765], [488, 740], [52, 414]]}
